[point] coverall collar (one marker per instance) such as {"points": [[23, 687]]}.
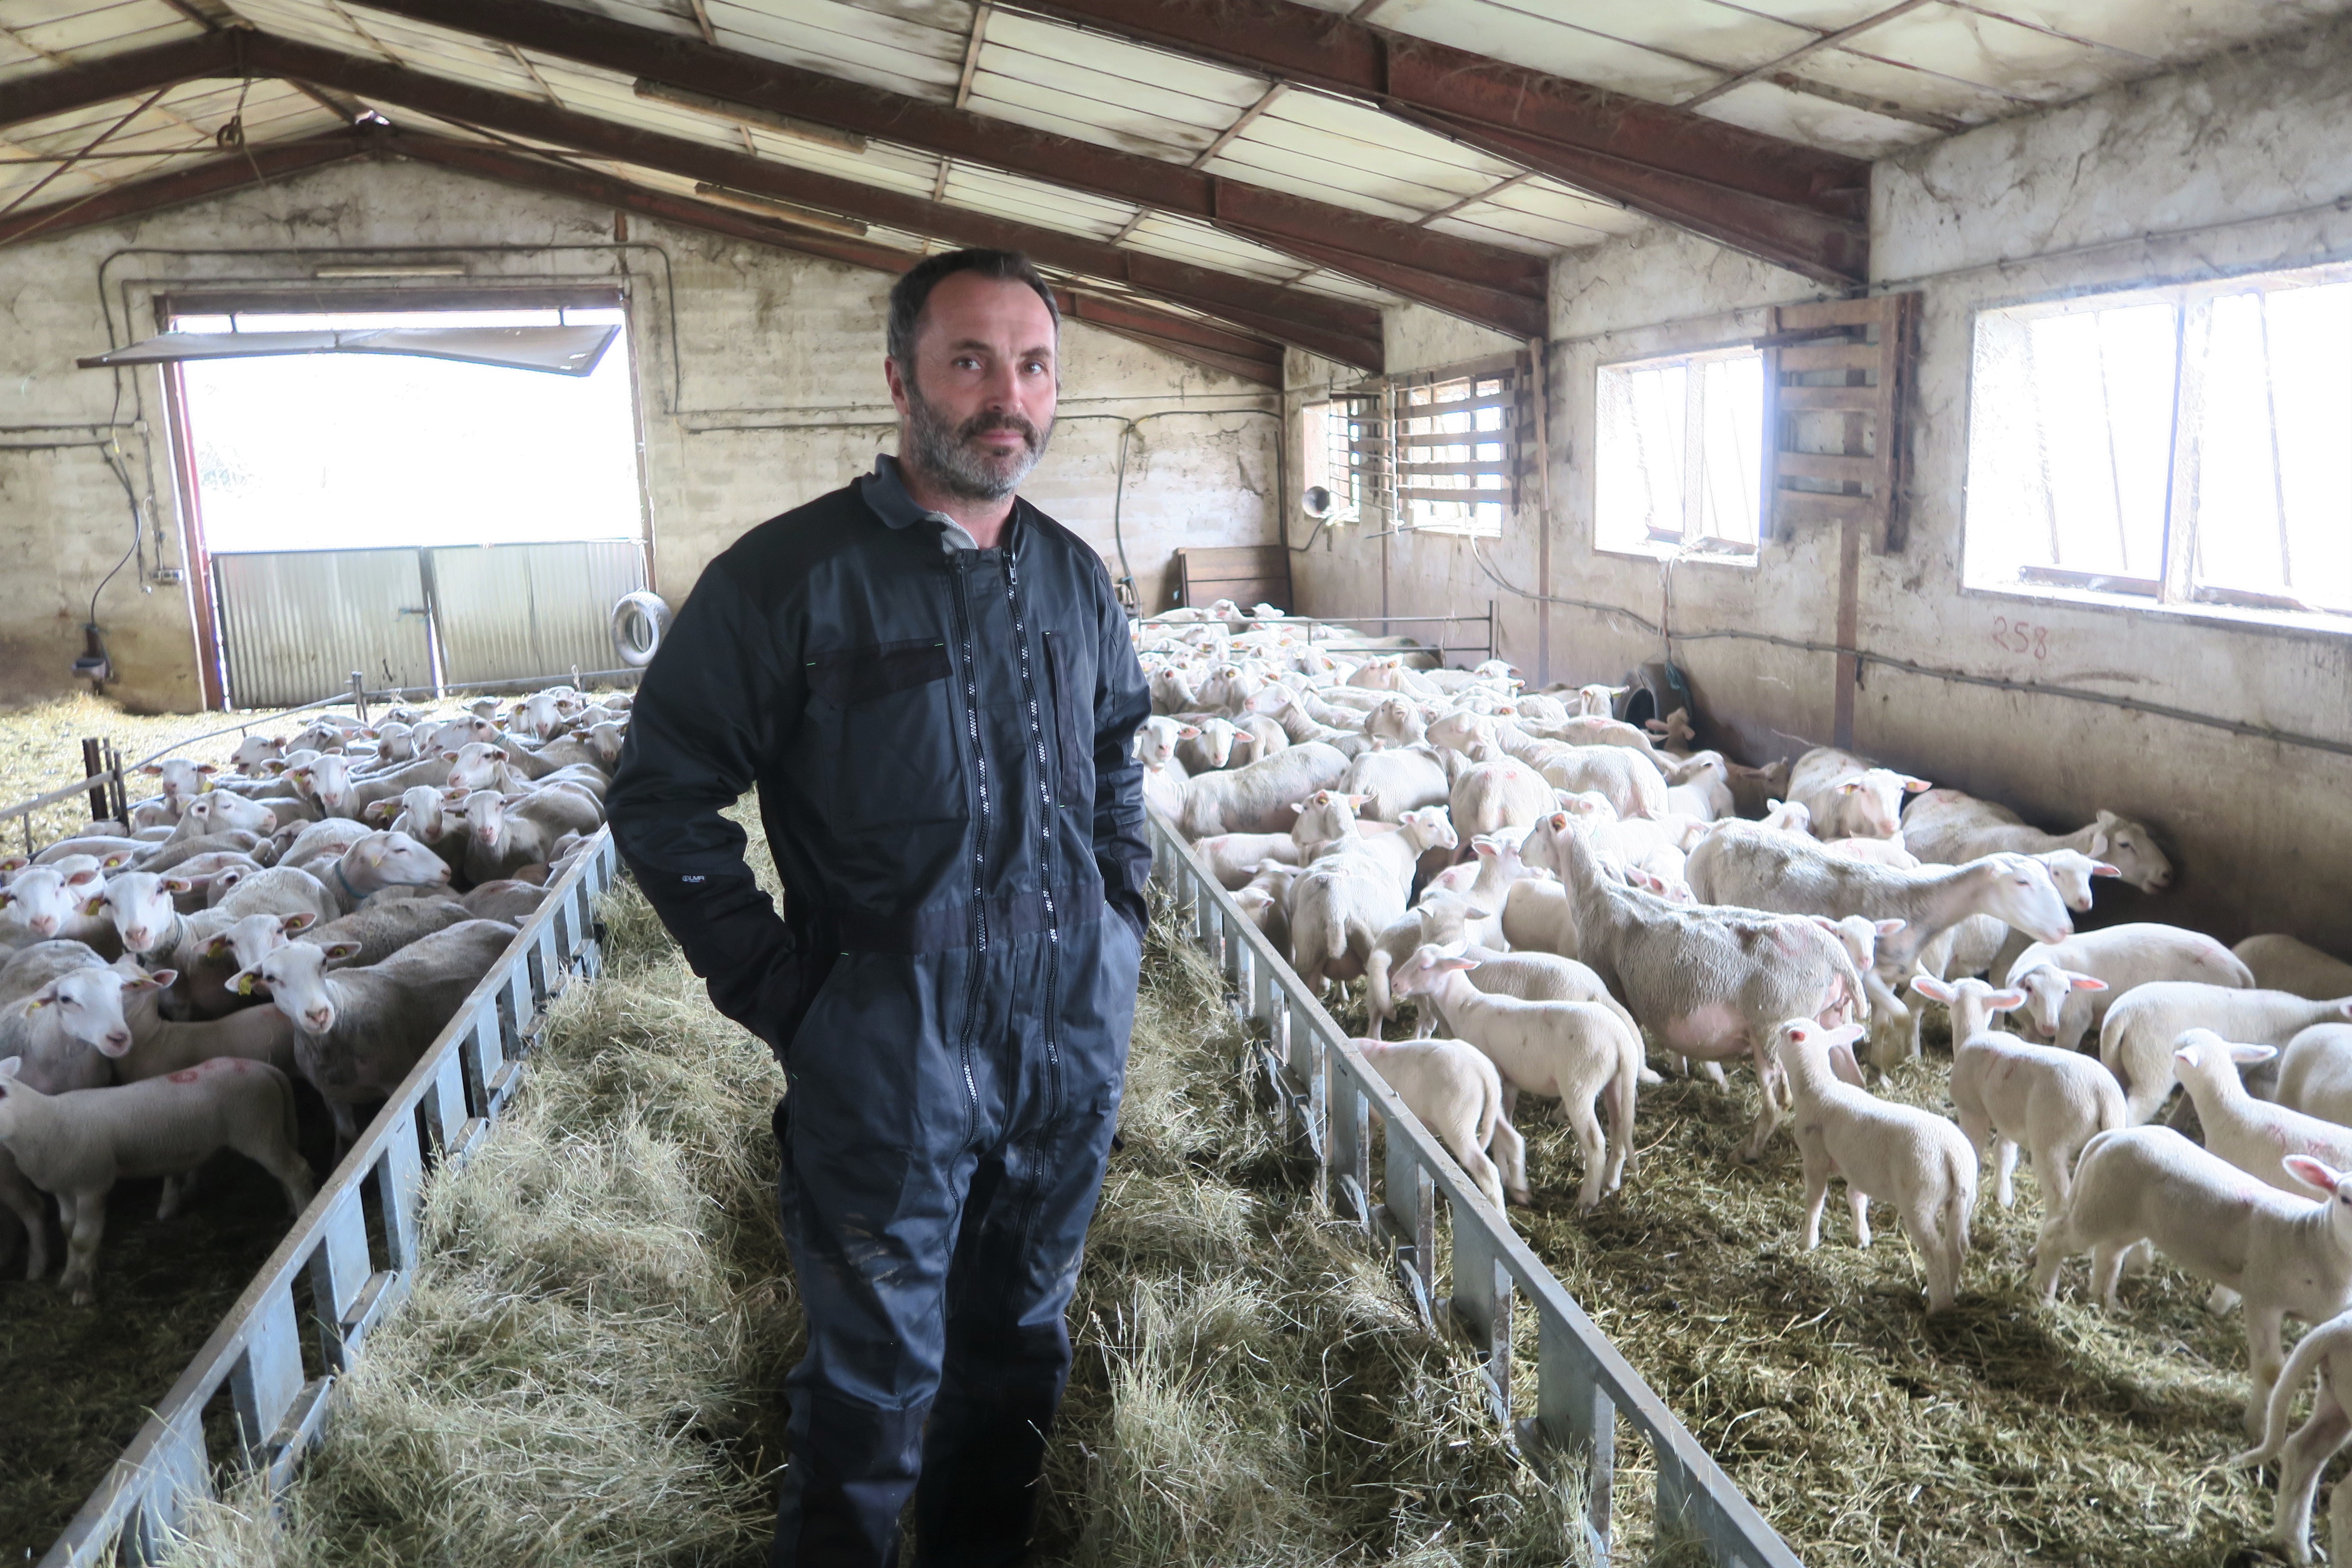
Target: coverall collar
{"points": [[885, 490]]}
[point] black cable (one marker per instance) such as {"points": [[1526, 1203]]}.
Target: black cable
{"points": [[1119, 499]]}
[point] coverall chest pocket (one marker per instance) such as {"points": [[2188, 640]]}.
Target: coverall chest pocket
{"points": [[1073, 676], [888, 718]]}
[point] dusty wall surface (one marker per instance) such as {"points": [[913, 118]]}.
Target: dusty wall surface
{"points": [[760, 386], [2233, 166]]}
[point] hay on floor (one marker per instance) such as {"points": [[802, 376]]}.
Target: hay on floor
{"points": [[587, 1372]]}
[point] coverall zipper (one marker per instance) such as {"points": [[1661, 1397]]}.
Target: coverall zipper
{"points": [[1045, 840], [979, 854]]}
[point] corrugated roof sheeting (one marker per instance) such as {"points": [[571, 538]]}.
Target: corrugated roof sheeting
{"points": [[38, 32], [1894, 82], [178, 129]]}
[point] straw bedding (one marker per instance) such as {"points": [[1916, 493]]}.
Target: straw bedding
{"points": [[586, 1370]]}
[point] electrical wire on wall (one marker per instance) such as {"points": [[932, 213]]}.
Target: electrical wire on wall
{"points": [[1118, 485], [1931, 671]]}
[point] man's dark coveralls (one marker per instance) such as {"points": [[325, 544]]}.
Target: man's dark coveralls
{"points": [[942, 741]]}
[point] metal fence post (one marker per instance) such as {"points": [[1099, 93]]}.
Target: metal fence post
{"points": [[1575, 1417]]}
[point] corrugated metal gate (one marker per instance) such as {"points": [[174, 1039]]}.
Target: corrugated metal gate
{"points": [[295, 624]]}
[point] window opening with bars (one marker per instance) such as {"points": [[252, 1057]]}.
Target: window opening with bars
{"points": [[2184, 445], [1441, 451]]}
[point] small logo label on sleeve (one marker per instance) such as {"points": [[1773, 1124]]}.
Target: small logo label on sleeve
{"points": [[691, 882]]}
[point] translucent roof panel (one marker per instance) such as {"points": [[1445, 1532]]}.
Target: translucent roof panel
{"points": [[1105, 91], [36, 35], [176, 129], [1315, 145]]}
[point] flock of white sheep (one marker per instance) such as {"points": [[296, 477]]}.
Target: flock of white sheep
{"points": [[1558, 890], [314, 912]]}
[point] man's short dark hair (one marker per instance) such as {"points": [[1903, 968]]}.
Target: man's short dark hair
{"points": [[913, 291]]}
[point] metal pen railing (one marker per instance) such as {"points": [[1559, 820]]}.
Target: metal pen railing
{"points": [[437, 1115], [1354, 624], [1330, 1095]]}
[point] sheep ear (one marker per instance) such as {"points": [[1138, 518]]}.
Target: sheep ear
{"points": [[218, 945], [300, 919], [2104, 869], [115, 861], [42, 998], [2006, 1001], [338, 952], [1183, 732], [2189, 1055], [1849, 785], [2098, 843], [242, 982], [1930, 987], [2252, 1056], [177, 885], [15, 863], [2314, 1174], [2085, 981], [1915, 786], [153, 770], [93, 908], [8, 1068], [86, 875], [156, 979], [1842, 1062]]}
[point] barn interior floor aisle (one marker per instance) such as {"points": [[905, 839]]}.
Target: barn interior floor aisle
{"points": [[585, 1371]]}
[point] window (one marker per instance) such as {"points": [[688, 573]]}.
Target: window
{"points": [[2184, 444], [1679, 455], [1455, 463], [342, 451], [1433, 451]]}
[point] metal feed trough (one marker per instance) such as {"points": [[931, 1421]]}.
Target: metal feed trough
{"points": [[1330, 1095], [358, 1258]]}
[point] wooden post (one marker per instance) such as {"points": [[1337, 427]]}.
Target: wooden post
{"points": [[93, 768]]}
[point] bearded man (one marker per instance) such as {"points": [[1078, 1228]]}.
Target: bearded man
{"points": [[932, 685]]}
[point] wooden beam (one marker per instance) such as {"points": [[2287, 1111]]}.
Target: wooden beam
{"points": [[1337, 329], [1794, 205], [1183, 336], [133, 74], [1417, 263], [216, 177]]}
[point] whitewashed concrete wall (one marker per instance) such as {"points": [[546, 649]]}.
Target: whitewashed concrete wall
{"points": [[760, 386], [2235, 165]]}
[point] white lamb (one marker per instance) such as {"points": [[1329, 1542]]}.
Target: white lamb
{"points": [[1916, 1160], [1457, 1094], [2315, 1073], [2282, 962], [1577, 1052], [2282, 1254], [2051, 1102], [2137, 1040], [2253, 1134], [2062, 1008], [2328, 1347]]}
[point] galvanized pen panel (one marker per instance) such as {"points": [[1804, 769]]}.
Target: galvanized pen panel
{"points": [[1330, 1096], [508, 610], [294, 623], [436, 1116]]}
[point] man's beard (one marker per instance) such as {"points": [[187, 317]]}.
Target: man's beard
{"points": [[945, 453]]}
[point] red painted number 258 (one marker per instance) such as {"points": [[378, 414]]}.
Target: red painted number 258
{"points": [[2020, 638]]}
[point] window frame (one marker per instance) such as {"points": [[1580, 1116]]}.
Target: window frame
{"points": [[1379, 483], [2175, 590], [1706, 548]]}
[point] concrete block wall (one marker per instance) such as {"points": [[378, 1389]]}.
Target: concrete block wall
{"points": [[759, 378], [2234, 165]]}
